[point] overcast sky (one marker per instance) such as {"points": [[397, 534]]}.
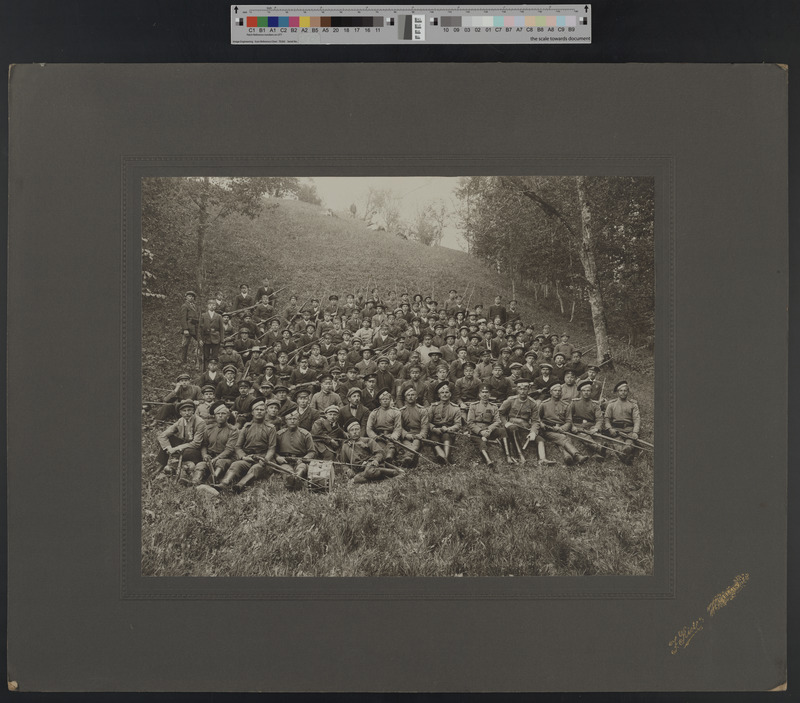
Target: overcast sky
{"points": [[412, 191]]}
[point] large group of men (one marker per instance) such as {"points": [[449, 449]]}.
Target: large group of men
{"points": [[376, 385]]}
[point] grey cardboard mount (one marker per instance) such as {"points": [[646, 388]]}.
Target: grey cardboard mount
{"points": [[80, 615]]}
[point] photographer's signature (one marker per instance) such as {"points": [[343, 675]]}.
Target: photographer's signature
{"points": [[719, 601]]}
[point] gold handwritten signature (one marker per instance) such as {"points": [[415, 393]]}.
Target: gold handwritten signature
{"points": [[719, 601]]}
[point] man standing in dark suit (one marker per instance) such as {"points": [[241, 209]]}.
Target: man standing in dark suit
{"points": [[211, 331]]}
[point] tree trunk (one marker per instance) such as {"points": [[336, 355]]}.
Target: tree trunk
{"points": [[572, 312], [586, 253], [202, 229], [560, 299]]}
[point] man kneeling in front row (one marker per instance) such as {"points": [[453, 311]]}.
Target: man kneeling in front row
{"points": [[362, 456]]}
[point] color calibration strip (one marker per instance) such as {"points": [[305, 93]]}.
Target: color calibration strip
{"points": [[453, 24]]}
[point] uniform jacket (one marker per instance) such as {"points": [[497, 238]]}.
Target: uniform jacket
{"points": [[483, 416], [384, 423], [297, 442], [585, 415], [553, 415], [520, 412], [622, 415], [414, 420], [256, 438], [445, 415], [219, 441]]}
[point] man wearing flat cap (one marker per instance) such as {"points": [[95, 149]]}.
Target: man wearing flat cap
{"points": [[544, 381], [184, 390], [564, 347], [203, 410], [241, 409], [622, 420], [499, 386], [255, 447], [384, 424], [369, 393], [306, 415], [587, 420], [218, 448], [520, 416], [327, 434], [325, 396], [383, 377], [554, 420], [183, 438], [354, 410], [415, 426], [229, 355], [485, 424], [295, 448], [362, 457], [227, 388], [445, 421]]}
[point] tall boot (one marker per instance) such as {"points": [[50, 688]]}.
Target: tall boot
{"points": [[446, 450], [485, 455], [246, 481], [542, 455], [198, 474], [509, 459], [515, 440], [574, 454], [440, 455]]}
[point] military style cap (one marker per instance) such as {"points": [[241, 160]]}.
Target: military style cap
{"points": [[450, 335], [546, 366], [505, 349], [484, 387], [561, 355], [592, 366], [565, 334], [581, 384], [325, 377], [370, 376], [382, 391], [218, 405], [301, 391], [569, 370], [540, 337], [280, 388], [229, 367], [530, 353], [354, 389], [383, 358], [410, 388], [497, 365], [186, 404], [518, 346], [578, 352], [438, 326], [434, 350], [272, 401], [415, 366], [182, 376], [620, 383], [335, 368], [332, 409], [228, 343], [522, 381], [266, 384], [366, 348], [441, 385], [353, 422], [244, 383], [333, 296], [515, 365], [484, 352], [208, 387], [192, 293], [469, 365], [463, 327]]}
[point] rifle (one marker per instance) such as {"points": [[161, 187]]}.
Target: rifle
{"points": [[422, 456], [286, 472], [595, 444], [619, 441]]}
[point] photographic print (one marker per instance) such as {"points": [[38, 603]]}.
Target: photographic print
{"points": [[406, 376]]}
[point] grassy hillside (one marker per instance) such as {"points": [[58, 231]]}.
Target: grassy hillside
{"points": [[464, 520]]}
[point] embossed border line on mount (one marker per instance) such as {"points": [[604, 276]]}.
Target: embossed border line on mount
{"points": [[660, 585]]}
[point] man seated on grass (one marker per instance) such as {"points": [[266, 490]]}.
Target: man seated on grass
{"points": [[327, 433], [587, 420], [218, 448], [241, 409], [445, 422], [295, 448], [415, 426], [623, 421], [354, 410], [484, 425], [325, 396], [554, 421], [384, 424], [204, 409], [569, 391], [183, 438], [306, 415], [184, 390], [362, 457], [519, 413], [255, 447]]}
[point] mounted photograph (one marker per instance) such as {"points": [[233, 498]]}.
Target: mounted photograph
{"points": [[413, 376]]}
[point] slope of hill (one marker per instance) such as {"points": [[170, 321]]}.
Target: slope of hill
{"points": [[464, 520]]}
